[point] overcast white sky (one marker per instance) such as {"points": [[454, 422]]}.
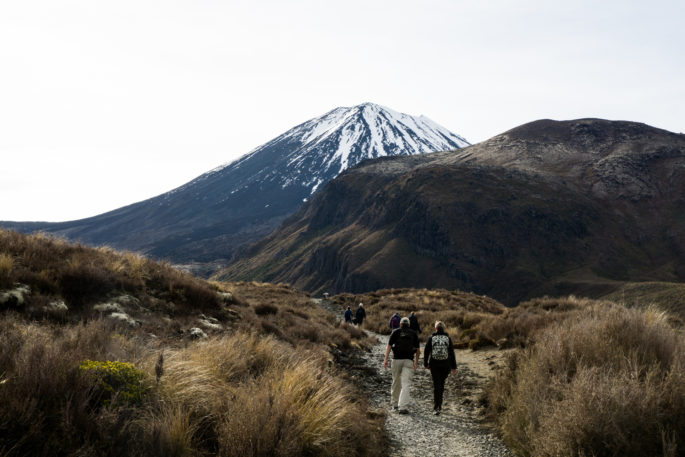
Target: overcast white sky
{"points": [[106, 103]]}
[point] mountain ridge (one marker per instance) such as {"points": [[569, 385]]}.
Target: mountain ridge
{"points": [[471, 219], [208, 218]]}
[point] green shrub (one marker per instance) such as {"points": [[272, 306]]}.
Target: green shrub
{"points": [[120, 380]]}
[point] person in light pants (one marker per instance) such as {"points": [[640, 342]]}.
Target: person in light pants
{"points": [[404, 344]]}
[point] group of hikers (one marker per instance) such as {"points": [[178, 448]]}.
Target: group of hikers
{"points": [[438, 357], [356, 318]]}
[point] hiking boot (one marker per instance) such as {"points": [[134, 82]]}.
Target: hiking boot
{"points": [[437, 411], [403, 411]]}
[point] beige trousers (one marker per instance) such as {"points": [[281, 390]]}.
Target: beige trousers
{"points": [[402, 371]]}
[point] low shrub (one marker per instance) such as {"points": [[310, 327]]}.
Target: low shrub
{"points": [[243, 394], [6, 266], [610, 381], [120, 381], [265, 309]]}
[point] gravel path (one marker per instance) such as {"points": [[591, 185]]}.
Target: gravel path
{"points": [[458, 431]]}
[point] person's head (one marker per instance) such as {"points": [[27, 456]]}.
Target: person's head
{"points": [[412, 313], [348, 307], [439, 326], [404, 322], [361, 305]]}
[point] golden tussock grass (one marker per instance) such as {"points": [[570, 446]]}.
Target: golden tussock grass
{"points": [[607, 381], [83, 276], [242, 394]]}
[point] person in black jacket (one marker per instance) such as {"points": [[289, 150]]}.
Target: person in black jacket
{"points": [[414, 323], [438, 356], [404, 344], [348, 315], [360, 314]]}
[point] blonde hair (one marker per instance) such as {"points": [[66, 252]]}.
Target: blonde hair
{"points": [[440, 325]]}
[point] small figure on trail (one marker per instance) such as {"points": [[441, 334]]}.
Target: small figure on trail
{"points": [[360, 314], [438, 356], [414, 323], [348, 315], [404, 343], [395, 321]]}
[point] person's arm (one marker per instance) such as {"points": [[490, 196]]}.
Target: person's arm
{"points": [[427, 352], [417, 353], [387, 353], [452, 357]]}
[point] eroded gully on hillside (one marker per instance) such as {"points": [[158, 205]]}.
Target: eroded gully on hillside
{"points": [[458, 431]]}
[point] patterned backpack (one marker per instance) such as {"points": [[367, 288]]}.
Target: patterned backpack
{"points": [[440, 347]]}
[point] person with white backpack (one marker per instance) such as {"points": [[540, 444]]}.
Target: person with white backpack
{"points": [[438, 356]]}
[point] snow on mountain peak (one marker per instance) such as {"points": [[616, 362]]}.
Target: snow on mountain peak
{"points": [[317, 150]]}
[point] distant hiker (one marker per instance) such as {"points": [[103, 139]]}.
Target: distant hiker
{"points": [[348, 315], [414, 323], [438, 355], [360, 314], [395, 321], [404, 343]]}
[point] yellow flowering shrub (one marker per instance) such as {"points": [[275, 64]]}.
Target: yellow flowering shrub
{"points": [[120, 379]]}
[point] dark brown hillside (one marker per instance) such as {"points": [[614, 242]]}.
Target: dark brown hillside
{"points": [[550, 207]]}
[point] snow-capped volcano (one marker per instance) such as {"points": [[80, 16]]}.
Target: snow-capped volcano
{"points": [[318, 150], [207, 219]]}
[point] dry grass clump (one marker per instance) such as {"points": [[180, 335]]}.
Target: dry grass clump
{"points": [[668, 296], [242, 394], [292, 316], [607, 381], [83, 276], [517, 327]]}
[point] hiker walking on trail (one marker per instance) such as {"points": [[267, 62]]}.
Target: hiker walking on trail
{"points": [[404, 343], [348, 315], [395, 321], [438, 356], [360, 314], [414, 323]]}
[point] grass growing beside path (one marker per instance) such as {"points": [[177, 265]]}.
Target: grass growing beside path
{"points": [[609, 381], [234, 395], [197, 368]]}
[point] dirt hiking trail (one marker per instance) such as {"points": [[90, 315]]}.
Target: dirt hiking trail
{"points": [[458, 431]]}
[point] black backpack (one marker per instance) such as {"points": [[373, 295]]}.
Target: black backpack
{"points": [[404, 345]]}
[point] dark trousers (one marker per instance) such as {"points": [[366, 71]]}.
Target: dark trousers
{"points": [[439, 375]]}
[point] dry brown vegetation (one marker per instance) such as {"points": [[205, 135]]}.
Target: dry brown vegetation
{"points": [[457, 309], [265, 382], [237, 395], [292, 316], [84, 276], [666, 295], [474, 321], [604, 381]]}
